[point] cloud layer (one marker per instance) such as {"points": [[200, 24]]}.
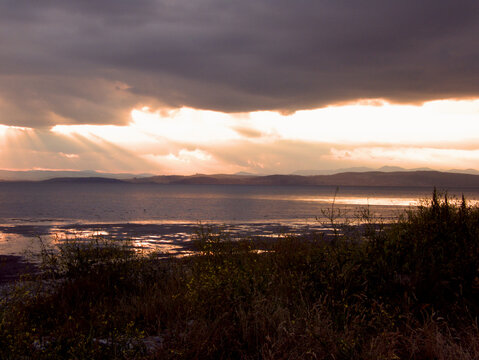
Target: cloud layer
{"points": [[91, 62]]}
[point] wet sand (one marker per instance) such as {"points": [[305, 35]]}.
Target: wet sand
{"points": [[20, 244], [164, 237]]}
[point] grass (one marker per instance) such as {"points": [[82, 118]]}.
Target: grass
{"points": [[409, 290]]}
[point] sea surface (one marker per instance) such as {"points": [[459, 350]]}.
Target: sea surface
{"points": [[164, 217]]}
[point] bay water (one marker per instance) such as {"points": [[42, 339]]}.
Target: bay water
{"points": [[164, 217]]}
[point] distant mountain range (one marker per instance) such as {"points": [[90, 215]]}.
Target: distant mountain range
{"points": [[369, 178], [83, 180], [382, 169], [38, 175], [424, 178]]}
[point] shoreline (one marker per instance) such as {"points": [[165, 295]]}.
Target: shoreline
{"points": [[174, 234], [166, 239]]}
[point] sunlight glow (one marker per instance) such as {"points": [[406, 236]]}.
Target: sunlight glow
{"points": [[434, 122], [186, 125], [11, 130], [443, 133], [410, 156], [113, 133]]}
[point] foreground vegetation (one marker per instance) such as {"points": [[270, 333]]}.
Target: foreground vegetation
{"points": [[409, 290]]}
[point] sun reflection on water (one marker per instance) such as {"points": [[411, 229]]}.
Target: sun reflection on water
{"points": [[378, 201]]}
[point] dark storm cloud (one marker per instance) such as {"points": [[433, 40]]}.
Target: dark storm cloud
{"points": [[92, 61]]}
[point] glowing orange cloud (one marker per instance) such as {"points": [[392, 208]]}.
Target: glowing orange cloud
{"points": [[441, 133]]}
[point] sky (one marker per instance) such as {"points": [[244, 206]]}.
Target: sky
{"points": [[214, 86]]}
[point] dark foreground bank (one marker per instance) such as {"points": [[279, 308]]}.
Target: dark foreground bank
{"points": [[12, 268], [409, 290]]}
